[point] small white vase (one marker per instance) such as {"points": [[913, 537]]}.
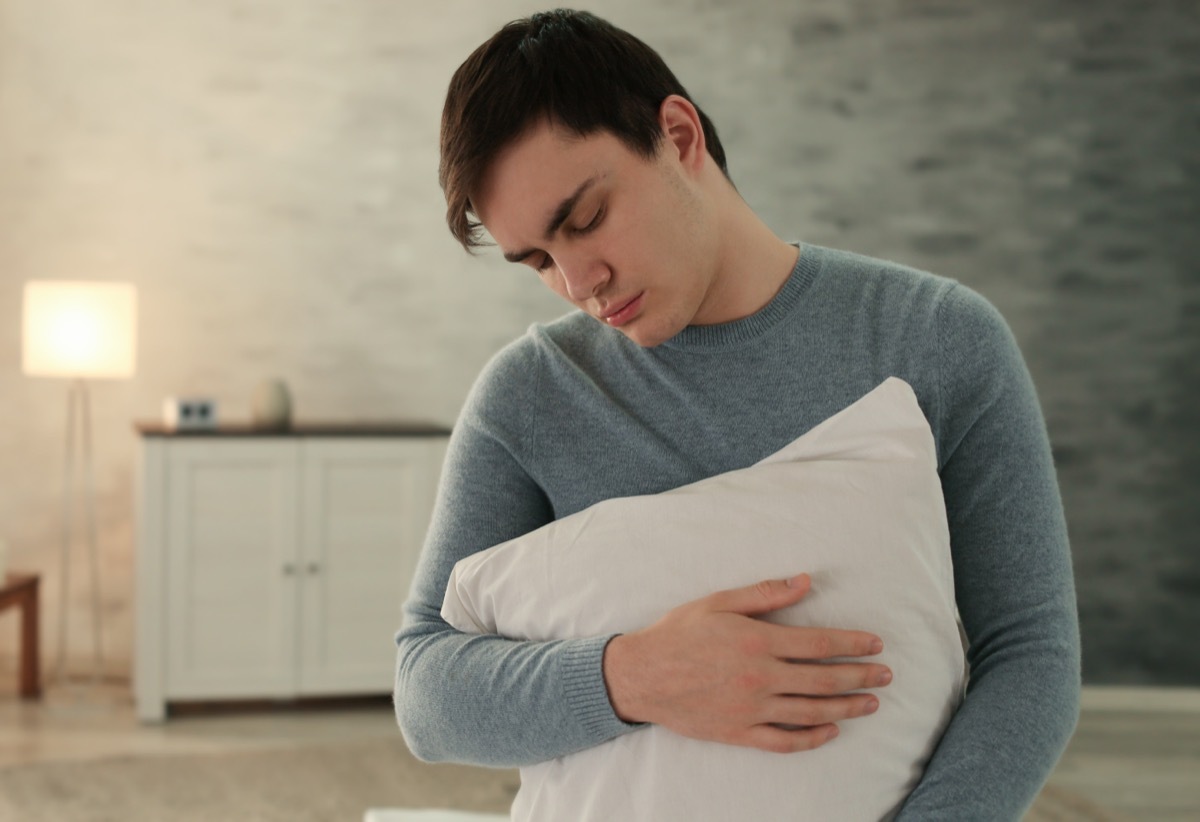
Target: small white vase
{"points": [[272, 407]]}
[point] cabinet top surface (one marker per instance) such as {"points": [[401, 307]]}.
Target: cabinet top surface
{"points": [[298, 429]]}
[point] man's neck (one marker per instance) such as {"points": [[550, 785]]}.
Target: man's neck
{"points": [[754, 264]]}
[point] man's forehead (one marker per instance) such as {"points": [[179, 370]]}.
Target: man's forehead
{"points": [[547, 157], [527, 184]]}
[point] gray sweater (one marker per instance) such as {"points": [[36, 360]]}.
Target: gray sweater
{"points": [[574, 413]]}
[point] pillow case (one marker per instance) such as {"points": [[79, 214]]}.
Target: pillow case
{"points": [[856, 502]]}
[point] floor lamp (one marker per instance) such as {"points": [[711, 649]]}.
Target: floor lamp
{"points": [[79, 331]]}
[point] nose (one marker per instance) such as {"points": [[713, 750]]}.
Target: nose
{"points": [[583, 275]]}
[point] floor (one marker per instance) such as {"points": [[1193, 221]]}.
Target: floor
{"points": [[1139, 759], [1143, 763], [90, 722]]}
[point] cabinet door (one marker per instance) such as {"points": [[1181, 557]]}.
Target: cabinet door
{"points": [[366, 506], [231, 567]]}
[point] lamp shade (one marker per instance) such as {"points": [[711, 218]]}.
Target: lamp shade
{"points": [[79, 329]]}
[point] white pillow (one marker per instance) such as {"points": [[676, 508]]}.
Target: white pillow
{"points": [[855, 502]]}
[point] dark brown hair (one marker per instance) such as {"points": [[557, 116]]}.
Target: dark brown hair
{"points": [[570, 67]]}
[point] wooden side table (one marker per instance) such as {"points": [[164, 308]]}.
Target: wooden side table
{"points": [[22, 589]]}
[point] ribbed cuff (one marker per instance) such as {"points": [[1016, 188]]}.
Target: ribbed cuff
{"points": [[586, 693]]}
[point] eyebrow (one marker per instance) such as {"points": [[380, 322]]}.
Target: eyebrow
{"points": [[557, 219]]}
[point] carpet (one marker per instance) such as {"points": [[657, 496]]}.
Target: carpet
{"points": [[311, 783]]}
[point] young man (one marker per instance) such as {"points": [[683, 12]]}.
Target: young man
{"points": [[701, 344]]}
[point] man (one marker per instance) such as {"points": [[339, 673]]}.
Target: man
{"points": [[702, 343]]}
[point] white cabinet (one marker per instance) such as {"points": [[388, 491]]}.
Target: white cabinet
{"points": [[275, 566]]}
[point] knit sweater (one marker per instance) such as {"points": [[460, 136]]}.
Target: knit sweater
{"points": [[573, 413]]}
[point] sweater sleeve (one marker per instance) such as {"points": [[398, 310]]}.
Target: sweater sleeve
{"points": [[1012, 576], [488, 700]]}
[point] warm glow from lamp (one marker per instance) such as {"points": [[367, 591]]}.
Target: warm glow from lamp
{"points": [[80, 329]]}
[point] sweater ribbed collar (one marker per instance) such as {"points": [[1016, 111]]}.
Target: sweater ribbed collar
{"points": [[722, 335]]}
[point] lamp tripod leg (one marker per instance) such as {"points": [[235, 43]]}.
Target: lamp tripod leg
{"points": [[79, 418], [65, 536], [90, 514]]}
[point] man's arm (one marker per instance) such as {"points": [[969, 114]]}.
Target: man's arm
{"points": [[488, 700], [1012, 574]]}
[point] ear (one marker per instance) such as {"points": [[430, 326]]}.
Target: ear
{"points": [[683, 133]]}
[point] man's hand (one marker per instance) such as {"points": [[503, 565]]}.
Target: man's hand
{"points": [[709, 670]]}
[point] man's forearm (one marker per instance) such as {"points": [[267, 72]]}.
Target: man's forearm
{"points": [[1004, 740], [486, 700]]}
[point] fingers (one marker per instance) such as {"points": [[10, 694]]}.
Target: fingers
{"points": [[791, 642], [806, 712], [798, 643], [783, 740], [829, 679], [801, 724], [762, 597]]}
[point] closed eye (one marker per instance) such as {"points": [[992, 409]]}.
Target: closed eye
{"points": [[591, 226], [547, 261]]}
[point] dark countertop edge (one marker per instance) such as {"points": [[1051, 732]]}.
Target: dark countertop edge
{"points": [[299, 429]]}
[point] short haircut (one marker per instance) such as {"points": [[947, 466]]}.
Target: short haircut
{"points": [[571, 68]]}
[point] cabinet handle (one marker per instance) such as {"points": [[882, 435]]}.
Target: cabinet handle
{"points": [[289, 569], [314, 567]]}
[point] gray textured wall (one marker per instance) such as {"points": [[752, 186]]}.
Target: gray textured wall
{"points": [[265, 173]]}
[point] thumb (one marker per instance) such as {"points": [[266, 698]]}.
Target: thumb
{"points": [[761, 597]]}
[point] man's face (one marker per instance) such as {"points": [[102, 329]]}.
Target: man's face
{"points": [[630, 241]]}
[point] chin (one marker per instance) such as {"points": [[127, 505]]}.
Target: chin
{"points": [[646, 337]]}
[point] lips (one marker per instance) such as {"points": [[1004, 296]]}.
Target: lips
{"points": [[625, 312]]}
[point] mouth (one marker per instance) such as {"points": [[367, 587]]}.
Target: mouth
{"points": [[624, 312]]}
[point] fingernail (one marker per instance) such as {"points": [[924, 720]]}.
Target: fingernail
{"points": [[877, 646], [883, 678], [872, 706], [831, 733], [793, 582]]}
